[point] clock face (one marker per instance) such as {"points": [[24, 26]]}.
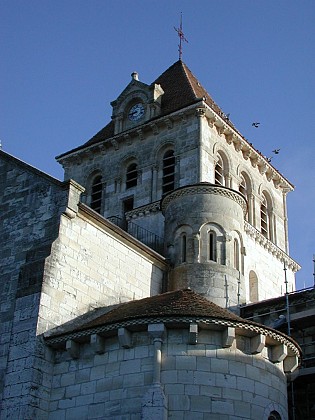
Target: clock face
{"points": [[136, 112]]}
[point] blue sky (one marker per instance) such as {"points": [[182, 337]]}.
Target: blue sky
{"points": [[64, 61]]}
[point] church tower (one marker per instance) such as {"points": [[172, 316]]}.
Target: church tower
{"points": [[123, 284], [173, 168]]}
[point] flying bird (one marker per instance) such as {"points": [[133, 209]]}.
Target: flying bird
{"points": [[255, 124], [276, 151]]}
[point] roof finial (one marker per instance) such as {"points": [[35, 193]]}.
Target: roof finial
{"points": [[181, 36]]}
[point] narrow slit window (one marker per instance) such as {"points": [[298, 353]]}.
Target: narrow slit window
{"points": [[131, 176], [168, 183], [96, 194], [212, 246], [236, 255], [184, 248], [264, 219]]}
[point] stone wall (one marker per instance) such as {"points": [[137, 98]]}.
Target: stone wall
{"points": [[203, 380], [30, 206]]}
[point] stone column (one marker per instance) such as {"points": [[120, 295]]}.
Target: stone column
{"points": [[154, 405]]}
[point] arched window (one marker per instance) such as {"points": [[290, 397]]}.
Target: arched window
{"points": [[168, 183], [96, 194], [183, 248], [236, 255], [274, 415], [131, 176], [243, 187], [218, 172], [253, 286], [212, 241], [264, 218]]}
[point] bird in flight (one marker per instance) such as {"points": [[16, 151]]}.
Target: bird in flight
{"points": [[255, 124], [276, 151]]}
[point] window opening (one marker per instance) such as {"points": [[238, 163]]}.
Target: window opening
{"points": [[218, 172], [274, 415], [212, 246], [264, 222], [184, 248], [168, 183], [96, 194], [243, 187], [131, 176], [127, 206], [236, 255]]}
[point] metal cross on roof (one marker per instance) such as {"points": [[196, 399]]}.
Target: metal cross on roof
{"points": [[181, 36]]}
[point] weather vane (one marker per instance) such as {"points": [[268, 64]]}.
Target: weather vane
{"points": [[181, 36]]}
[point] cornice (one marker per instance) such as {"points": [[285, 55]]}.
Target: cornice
{"points": [[246, 328], [205, 189], [144, 210], [152, 126], [271, 247], [232, 136]]}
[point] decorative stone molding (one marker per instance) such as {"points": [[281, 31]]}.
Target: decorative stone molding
{"points": [[248, 329], [115, 144], [143, 210], [271, 247], [205, 189]]}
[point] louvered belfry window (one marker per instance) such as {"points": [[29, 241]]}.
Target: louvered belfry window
{"points": [[168, 172], [131, 175], [218, 172], [264, 220], [96, 194]]}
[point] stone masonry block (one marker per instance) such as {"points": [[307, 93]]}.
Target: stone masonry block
{"points": [[73, 349], [228, 337], [97, 343], [124, 337], [290, 363], [278, 353], [257, 343]]}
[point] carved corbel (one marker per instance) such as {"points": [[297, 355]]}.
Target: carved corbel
{"points": [[269, 174], [169, 123], [127, 139], [200, 112], [73, 349], [154, 128], [238, 145], [246, 153], [211, 121], [220, 129], [140, 134], [183, 117], [262, 168], [254, 161], [115, 144]]}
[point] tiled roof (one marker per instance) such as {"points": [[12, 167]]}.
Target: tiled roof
{"points": [[178, 303], [181, 89], [175, 306]]}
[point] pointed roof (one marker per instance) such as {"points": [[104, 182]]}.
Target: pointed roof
{"points": [[181, 89]]}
